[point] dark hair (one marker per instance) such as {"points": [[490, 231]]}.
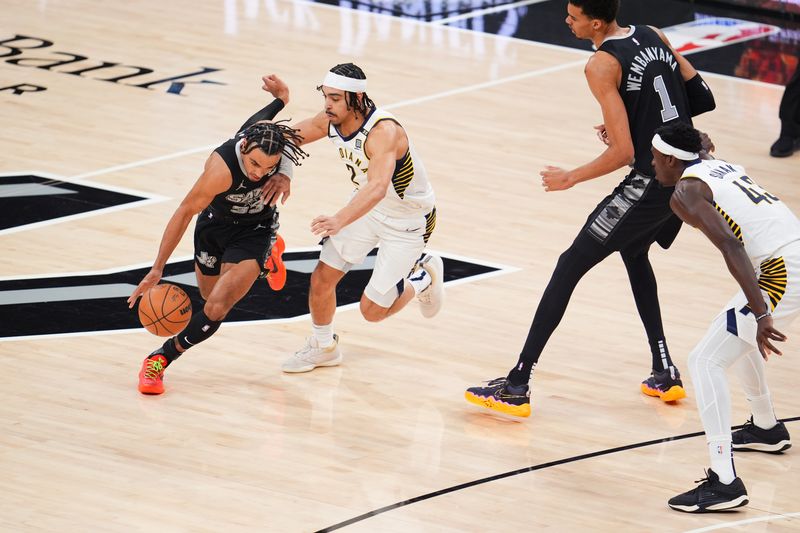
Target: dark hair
{"points": [[681, 135], [350, 70], [274, 138], [605, 10]]}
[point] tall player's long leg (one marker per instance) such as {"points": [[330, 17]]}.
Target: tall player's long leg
{"points": [[645, 294], [573, 264]]}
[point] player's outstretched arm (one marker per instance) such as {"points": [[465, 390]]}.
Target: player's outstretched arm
{"points": [[215, 179], [313, 129], [280, 91]]}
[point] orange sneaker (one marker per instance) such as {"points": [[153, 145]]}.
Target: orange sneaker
{"points": [[151, 376], [276, 270]]}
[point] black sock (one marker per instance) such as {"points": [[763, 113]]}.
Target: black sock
{"points": [[196, 331], [660, 353]]}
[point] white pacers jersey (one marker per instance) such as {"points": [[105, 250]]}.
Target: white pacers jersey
{"points": [[409, 194], [760, 220]]}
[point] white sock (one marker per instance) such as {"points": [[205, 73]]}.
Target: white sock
{"points": [[722, 460], [323, 334], [763, 415], [420, 280]]}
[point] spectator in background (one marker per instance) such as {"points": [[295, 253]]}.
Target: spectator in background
{"points": [[789, 139]]}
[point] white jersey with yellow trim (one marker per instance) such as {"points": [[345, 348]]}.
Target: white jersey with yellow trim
{"points": [[759, 219], [409, 193]]}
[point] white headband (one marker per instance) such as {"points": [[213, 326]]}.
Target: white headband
{"points": [[344, 83], [667, 149]]}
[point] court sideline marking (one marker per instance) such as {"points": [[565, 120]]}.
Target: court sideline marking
{"points": [[525, 470], [727, 525]]}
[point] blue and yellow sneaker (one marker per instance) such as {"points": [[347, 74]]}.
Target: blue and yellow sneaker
{"points": [[499, 395]]}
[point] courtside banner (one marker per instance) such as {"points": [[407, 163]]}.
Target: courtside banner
{"points": [[713, 32]]}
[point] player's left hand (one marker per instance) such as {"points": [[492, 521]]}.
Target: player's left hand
{"points": [[765, 333], [325, 226], [276, 87], [279, 186], [555, 179]]}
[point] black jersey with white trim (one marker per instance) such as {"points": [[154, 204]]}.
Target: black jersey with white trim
{"points": [[242, 201], [651, 87]]}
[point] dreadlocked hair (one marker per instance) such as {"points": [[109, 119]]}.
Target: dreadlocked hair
{"points": [[274, 138], [349, 70]]}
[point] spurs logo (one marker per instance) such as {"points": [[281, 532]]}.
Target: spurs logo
{"points": [[206, 260]]}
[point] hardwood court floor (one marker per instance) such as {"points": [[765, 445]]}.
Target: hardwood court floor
{"points": [[234, 444]]}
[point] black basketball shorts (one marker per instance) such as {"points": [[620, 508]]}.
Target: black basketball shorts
{"points": [[634, 216], [217, 241]]}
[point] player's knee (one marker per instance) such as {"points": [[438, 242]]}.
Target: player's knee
{"points": [[320, 281], [216, 310], [371, 311]]}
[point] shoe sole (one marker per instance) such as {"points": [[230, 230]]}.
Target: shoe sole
{"points": [[151, 392], [502, 407], [309, 368], [674, 393], [725, 506], [763, 447]]}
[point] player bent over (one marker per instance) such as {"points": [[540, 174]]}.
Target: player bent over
{"points": [[235, 230]]}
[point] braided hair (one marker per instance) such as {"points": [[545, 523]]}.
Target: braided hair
{"points": [[350, 70], [274, 138]]}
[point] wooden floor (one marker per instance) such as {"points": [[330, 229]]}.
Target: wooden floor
{"points": [[234, 444]]}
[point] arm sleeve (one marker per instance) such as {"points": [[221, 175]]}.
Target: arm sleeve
{"points": [[700, 98], [266, 113]]}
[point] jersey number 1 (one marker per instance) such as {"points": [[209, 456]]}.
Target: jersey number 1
{"points": [[668, 111]]}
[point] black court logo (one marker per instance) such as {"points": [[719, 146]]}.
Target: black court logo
{"points": [[35, 199], [96, 301]]}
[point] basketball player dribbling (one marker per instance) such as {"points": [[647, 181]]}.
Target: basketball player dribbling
{"points": [[640, 83], [236, 228]]}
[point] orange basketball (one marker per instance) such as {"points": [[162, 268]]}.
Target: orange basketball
{"points": [[165, 310]]}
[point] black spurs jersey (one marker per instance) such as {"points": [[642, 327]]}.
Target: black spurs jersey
{"points": [[241, 203], [651, 87]]}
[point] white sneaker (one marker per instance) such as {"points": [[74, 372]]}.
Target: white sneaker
{"points": [[432, 297], [311, 356]]}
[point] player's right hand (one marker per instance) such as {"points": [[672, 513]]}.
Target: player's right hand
{"points": [[602, 134], [150, 280], [765, 333], [276, 87]]}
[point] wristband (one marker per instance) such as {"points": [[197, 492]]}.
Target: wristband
{"points": [[759, 317]]}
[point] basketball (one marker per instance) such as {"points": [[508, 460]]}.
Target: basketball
{"points": [[165, 309]]}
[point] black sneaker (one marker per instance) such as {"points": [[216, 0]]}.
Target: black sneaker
{"points": [[784, 146], [711, 495], [665, 384], [752, 438], [500, 396]]}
